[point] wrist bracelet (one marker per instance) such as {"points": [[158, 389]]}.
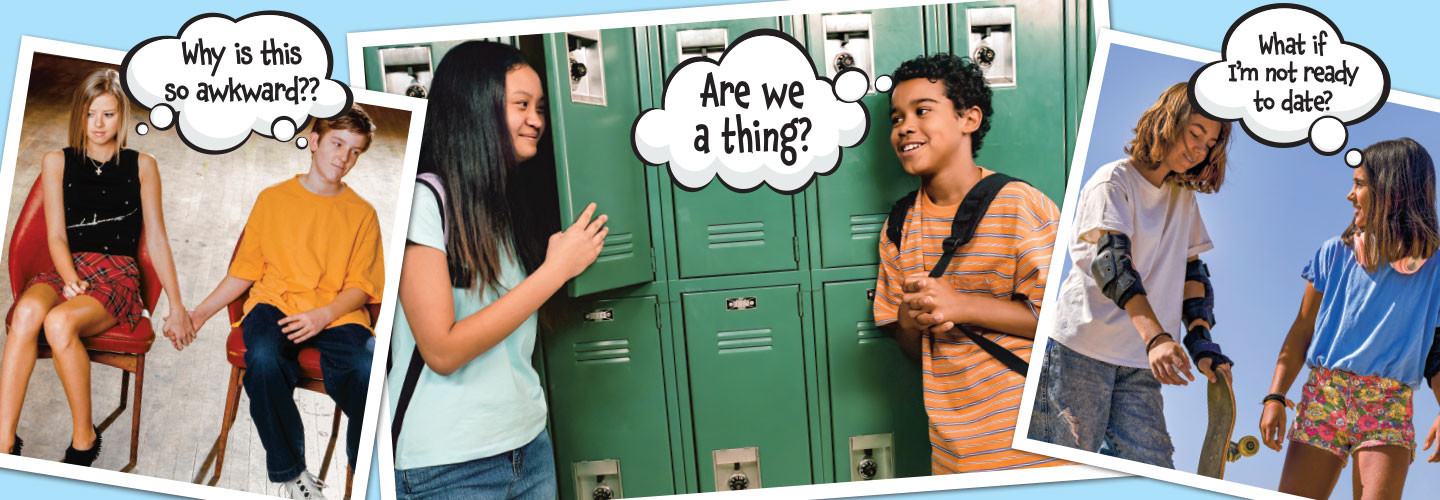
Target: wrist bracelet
{"points": [[1275, 396], [1151, 344]]}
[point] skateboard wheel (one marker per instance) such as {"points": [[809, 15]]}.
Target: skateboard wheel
{"points": [[1249, 446]]}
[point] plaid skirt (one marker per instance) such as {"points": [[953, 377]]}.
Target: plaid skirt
{"points": [[114, 282]]}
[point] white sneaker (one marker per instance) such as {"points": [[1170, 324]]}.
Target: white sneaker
{"points": [[305, 487]]}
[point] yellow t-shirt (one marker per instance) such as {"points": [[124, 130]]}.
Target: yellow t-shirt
{"points": [[301, 249]]}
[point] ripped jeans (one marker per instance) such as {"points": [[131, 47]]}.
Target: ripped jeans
{"points": [[1096, 406]]}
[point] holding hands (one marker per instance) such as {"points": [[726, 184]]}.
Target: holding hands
{"points": [[181, 329]]}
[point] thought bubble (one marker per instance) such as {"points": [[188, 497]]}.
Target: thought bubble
{"points": [[220, 79], [760, 114], [1290, 78], [884, 83], [142, 129]]}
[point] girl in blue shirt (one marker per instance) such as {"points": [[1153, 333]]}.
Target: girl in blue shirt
{"points": [[1366, 327]]}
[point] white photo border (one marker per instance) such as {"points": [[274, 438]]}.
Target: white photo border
{"points": [[357, 41], [1105, 39], [394, 253]]}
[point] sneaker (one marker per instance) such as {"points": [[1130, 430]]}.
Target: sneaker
{"points": [[304, 487], [83, 457], [15, 448]]}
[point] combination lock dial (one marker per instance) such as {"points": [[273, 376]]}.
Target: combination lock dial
{"points": [[984, 56], [868, 468], [738, 481], [844, 60], [602, 492], [578, 70]]}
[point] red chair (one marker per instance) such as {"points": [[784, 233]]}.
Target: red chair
{"points": [[310, 378], [119, 347]]}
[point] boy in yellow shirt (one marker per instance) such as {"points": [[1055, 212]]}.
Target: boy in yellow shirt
{"points": [[311, 259]]}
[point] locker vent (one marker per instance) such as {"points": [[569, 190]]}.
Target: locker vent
{"points": [[869, 333], [866, 226], [617, 247], [742, 234], [744, 340], [602, 351]]}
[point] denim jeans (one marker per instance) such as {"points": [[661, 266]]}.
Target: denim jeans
{"points": [[525, 473], [273, 370], [1099, 407]]}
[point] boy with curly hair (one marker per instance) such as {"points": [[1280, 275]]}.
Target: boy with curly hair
{"points": [[993, 283]]}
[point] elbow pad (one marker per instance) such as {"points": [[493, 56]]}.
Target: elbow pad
{"points": [[1198, 343], [1113, 270], [1432, 362], [1199, 307]]}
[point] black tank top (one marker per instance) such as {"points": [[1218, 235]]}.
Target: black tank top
{"points": [[102, 207]]}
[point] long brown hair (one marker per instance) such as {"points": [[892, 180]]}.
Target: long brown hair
{"points": [[98, 83], [1162, 126], [1400, 220]]}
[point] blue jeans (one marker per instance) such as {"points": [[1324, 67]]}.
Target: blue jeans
{"points": [[524, 473], [272, 371], [1099, 407]]}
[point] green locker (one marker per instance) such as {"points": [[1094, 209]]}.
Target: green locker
{"points": [[1025, 43], [593, 79], [747, 387], [607, 397], [854, 200], [876, 407], [719, 231]]}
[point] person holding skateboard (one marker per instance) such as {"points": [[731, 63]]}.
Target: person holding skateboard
{"points": [[1367, 329], [1138, 235]]}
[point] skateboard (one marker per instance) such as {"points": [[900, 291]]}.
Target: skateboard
{"points": [[1217, 449]]}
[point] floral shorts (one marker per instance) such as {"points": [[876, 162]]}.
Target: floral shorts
{"points": [[1342, 412]]}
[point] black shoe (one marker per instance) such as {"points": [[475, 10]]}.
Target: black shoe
{"points": [[15, 448], [83, 457]]}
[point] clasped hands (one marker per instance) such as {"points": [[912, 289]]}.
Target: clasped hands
{"points": [[931, 305], [182, 329]]}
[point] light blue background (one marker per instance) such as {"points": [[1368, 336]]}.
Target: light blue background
{"points": [[1398, 33]]}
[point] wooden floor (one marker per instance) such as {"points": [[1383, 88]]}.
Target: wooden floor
{"points": [[207, 199]]}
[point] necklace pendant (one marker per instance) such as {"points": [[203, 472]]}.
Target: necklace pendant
{"points": [[97, 170]]}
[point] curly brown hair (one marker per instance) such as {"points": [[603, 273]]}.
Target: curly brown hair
{"points": [[1163, 125]]}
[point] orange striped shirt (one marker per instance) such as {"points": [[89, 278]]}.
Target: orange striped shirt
{"points": [[972, 399]]}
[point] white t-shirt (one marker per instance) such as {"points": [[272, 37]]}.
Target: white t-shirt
{"points": [[1165, 230]]}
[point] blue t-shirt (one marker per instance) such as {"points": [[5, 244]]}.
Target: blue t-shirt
{"points": [[491, 405], [1380, 323]]}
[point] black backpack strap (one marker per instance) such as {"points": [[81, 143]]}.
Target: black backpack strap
{"points": [[417, 363], [895, 222], [967, 217]]}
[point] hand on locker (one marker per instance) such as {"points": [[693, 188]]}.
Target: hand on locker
{"points": [[575, 248], [931, 304]]}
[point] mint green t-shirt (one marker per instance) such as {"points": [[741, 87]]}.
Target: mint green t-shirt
{"points": [[491, 405]]}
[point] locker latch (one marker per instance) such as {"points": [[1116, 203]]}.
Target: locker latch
{"points": [[872, 456], [992, 43], [587, 67], [600, 315], [741, 303], [737, 468], [848, 43], [701, 42], [601, 478]]}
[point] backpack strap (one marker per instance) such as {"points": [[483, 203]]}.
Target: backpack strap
{"points": [[895, 222], [967, 217], [417, 363]]}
